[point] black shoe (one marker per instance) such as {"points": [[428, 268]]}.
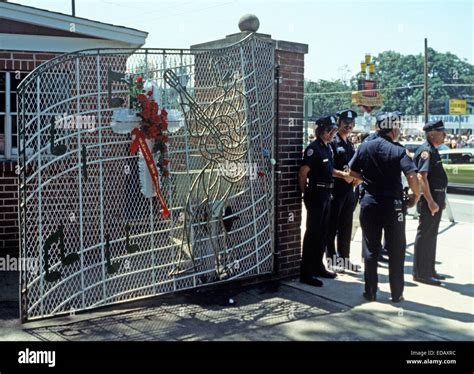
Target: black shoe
{"points": [[312, 281], [369, 296], [431, 281], [439, 276], [397, 299], [326, 274]]}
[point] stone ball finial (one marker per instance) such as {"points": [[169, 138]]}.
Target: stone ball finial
{"points": [[249, 23]]}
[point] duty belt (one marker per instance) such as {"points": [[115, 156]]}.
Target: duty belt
{"points": [[324, 185]]}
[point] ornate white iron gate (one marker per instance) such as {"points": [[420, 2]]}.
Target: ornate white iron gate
{"points": [[90, 211]]}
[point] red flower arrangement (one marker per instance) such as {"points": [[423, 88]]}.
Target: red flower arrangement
{"points": [[154, 121]]}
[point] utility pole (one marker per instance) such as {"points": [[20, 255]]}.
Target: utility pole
{"points": [[73, 5], [425, 96]]}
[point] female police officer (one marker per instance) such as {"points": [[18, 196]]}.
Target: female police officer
{"points": [[316, 181], [379, 164], [344, 199]]}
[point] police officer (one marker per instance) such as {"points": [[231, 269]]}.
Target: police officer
{"points": [[344, 199], [434, 182], [372, 136], [383, 255], [316, 182], [379, 164]]}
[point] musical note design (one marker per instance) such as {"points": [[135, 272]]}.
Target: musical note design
{"points": [[229, 218], [111, 267], [131, 248], [58, 236], [220, 132], [84, 161], [58, 149], [113, 76]]}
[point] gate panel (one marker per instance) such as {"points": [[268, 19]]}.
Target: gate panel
{"points": [[88, 211]]}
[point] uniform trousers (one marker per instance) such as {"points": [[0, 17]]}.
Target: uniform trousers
{"points": [[318, 203], [340, 224], [377, 214], [425, 242]]}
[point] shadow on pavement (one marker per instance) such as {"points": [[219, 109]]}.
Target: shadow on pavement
{"points": [[198, 315], [9, 295], [463, 289]]}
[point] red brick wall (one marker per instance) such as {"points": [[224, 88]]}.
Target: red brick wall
{"points": [[23, 61], [13, 61], [289, 150], [8, 208], [8, 26]]}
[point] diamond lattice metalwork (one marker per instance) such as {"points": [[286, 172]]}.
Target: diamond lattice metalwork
{"points": [[98, 236]]}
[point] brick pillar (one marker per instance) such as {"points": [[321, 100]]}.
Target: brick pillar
{"points": [[289, 58]]}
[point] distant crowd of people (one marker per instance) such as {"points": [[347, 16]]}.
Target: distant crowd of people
{"points": [[450, 142], [455, 141]]}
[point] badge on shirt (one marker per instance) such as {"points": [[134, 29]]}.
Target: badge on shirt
{"points": [[309, 152], [340, 150], [425, 155]]}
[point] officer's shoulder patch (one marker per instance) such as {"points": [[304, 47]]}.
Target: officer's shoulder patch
{"points": [[425, 155], [310, 152]]}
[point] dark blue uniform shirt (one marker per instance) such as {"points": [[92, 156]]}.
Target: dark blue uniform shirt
{"points": [[319, 157], [381, 161], [427, 159], [343, 153], [373, 136]]}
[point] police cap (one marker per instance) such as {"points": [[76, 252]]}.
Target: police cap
{"points": [[434, 126], [328, 122], [347, 115]]}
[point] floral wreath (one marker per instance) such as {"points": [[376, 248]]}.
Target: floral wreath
{"points": [[154, 122]]}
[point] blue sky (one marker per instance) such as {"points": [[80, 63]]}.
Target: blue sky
{"points": [[338, 33]]}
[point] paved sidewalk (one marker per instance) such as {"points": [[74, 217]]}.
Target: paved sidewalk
{"points": [[287, 310]]}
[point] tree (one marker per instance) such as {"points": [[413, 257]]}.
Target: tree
{"points": [[325, 98], [400, 77]]}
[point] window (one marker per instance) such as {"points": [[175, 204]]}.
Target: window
{"points": [[55, 90], [458, 158], [3, 78], [9, 82], [461, 158], [56, 102]]}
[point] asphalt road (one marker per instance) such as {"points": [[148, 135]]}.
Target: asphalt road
{"points": [[462, 207]]}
